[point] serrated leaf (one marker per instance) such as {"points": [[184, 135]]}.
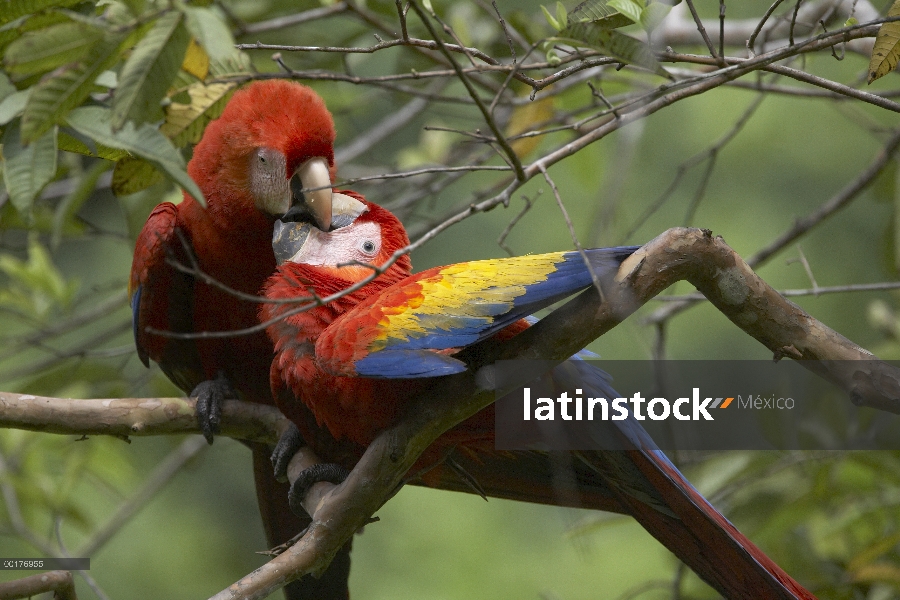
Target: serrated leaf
{"points": [[27, 169], [196, 61], [629, 8], [149, 71], [185, 122], [66, 88], [48, 48], [13, 105], [654, 14], [132, 175], [211, 32], [886, 52], [144, 142], [612, 43], [13, 9]]}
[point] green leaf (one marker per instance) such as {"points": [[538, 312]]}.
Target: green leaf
{"points": [[6, 86], [592, 10], [144, 142], [13, 105], [149, 71], [70, 143], [48, 48], [653, 15], [131, 175], [851, 22], [886, 52], [236, 63], [74, 200], [562, 16], [551, 19], [38, 285], [612, 43], [629, 8], [605, 15], [66, 88], [13, 9], [27, 169], [211, 32]]}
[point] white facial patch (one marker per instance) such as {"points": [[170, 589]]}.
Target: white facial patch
{"points": [[360, 242], [268, 182]]}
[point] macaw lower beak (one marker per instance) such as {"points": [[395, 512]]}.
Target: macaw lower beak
{"points": [[307, 202], [291, 235]]}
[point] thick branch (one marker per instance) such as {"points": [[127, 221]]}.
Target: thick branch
{"points": [[124, 417], [678, 254]]}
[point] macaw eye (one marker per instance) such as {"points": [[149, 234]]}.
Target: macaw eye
{"points": [[368, 247], [262, 159]]}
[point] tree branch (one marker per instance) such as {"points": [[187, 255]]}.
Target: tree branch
{"points": [[678, 254]]}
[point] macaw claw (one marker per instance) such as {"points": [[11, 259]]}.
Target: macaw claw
{"points": [[330, 472], [290, 442], [211, 395]]}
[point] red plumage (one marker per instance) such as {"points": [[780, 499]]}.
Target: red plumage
{"points": [[639, 481], [231, 240]]}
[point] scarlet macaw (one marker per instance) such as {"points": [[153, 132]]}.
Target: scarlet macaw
{"points": [[273, 140], [358, 361]]}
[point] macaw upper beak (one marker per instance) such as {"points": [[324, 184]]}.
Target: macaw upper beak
{"points": [[314, 205], [291, 235]]}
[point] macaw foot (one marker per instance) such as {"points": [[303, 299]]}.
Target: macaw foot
{"points": [[290, 442], [330, 472], [211, 395]]}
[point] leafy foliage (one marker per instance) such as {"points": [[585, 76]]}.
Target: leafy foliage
{"points": [[147, 62], [830, 520], [592, 23]]}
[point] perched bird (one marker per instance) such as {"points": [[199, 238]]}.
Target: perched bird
{"points": [[273, 140], [358, 362]]}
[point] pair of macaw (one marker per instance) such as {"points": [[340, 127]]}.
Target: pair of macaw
{"points": [[344, 371]]}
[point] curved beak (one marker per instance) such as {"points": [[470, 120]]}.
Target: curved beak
{"points": [[307, 202], [292, 241]]}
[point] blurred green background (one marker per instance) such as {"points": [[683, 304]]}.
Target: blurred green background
{"points": [[830, 519]]}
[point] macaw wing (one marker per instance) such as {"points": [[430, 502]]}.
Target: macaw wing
{"points": [[162, 299], [410, 328]]}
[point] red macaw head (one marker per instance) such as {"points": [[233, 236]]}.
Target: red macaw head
{"points": [[272, 149], [363, 234]]}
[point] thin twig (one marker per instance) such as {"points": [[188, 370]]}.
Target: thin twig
{"points": [[701, 29], [562, 207], [762, 22]]}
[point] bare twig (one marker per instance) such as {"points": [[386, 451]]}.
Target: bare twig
{"points": [[801, 226], [295, 19], [511, 156], [562, 207], [702, 29]]}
